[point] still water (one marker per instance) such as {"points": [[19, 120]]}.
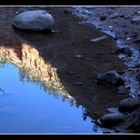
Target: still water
{"points": [[26, 108]]}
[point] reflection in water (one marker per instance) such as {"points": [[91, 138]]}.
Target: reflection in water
{"points": [[26, 108], [28, 59], [39, 62]]}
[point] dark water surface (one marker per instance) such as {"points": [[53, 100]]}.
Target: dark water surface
{"points": [[26, 108]]}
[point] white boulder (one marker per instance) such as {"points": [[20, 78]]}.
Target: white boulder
{"points": [[37, 20]]}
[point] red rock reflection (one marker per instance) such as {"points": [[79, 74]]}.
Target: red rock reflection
{"points": [[25, 56]]}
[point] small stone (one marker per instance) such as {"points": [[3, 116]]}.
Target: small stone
{"points": [[135, 19], [17, 12], [56, 31], [114, 15], [113, 110], [110, 27], [112, 119], [129, 38], [99, 38], [79, 56], [129, 69], [138, 12], [128, 105], [127, 86], [122, 90]]}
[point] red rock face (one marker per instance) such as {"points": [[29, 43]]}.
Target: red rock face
{"points": [[32, 59]]}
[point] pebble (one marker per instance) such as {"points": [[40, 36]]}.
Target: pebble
{"points": [[99, 38], [114, 15], [129, 38], [17, 12], [113, 110], [79, 56], [138, 12], [122, 90], [135, 19]]}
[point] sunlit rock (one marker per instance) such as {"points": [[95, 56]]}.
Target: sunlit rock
{"points": [[37, 20]]}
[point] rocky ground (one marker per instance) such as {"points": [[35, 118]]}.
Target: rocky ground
{"points": [[123, 24], [87, 59]]}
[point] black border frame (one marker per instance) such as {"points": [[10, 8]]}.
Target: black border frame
{"points": [[70, 3]]}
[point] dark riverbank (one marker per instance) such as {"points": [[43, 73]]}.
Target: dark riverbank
{"points": [[122, 23]]}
